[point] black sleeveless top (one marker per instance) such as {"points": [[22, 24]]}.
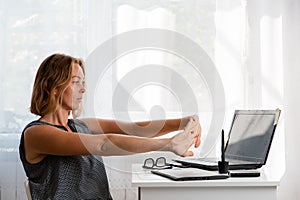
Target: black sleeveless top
{"points": [[66, 177]]}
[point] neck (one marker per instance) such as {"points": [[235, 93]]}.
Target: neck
{"points": [[57, 118]]}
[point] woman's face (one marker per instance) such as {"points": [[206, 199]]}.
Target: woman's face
{"points": [[72, 96]]}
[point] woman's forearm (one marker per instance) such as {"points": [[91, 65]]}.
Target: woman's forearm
{"points": [[113, 144], [157, 127]]}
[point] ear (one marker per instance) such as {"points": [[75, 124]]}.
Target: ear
{"points": [[55, 92]]}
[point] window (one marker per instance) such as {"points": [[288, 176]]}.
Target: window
{"points": [[29, 32], [237, 40]]}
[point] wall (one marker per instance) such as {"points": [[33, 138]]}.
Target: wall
{"points": [[290, 184]]}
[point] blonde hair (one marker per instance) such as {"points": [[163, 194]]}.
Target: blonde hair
{"points": [[52, 78]]}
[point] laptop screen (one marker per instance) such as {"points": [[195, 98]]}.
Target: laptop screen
{"points": [[250, 135]]}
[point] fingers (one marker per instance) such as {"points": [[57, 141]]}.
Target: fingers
{"points": [[197, 130], [198, 138], [194, 135], [188, 153], [189, 125], [189, 129], [195, 118], [197, 142], [192, 132], [192, 124]]}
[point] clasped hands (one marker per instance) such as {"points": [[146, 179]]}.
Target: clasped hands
{"points": [[190, 136]]}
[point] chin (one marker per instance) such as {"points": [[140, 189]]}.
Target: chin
{"points": [[75, 107], [76, 104]]}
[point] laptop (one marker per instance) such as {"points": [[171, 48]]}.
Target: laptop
{"points": [[249, 141]]}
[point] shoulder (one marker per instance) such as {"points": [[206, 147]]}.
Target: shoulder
{"points": [[35, 122], [33, 125], [40, 129]]}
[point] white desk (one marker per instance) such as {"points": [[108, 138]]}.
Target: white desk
{"points": [[154, 187]]}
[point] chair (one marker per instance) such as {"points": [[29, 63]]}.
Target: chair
{"points": [[27, 189]]}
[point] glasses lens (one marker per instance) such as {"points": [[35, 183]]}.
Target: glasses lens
{"points": [[149, 163], [161, 162]]}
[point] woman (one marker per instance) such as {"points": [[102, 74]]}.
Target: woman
{"points": [[58, 152]]}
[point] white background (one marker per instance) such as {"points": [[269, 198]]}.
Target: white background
{"points": [[254, 45]]}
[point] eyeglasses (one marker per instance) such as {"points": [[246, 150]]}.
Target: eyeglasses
{"points": [[159, 163]]}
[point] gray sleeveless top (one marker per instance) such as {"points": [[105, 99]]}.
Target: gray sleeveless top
{"points": [[66, 177]]}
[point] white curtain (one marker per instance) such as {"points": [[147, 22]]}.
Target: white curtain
{"points": [[29, 32], [290, 183], [253, 46]]}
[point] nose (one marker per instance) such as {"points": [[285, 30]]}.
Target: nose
{"points": [[82, 89]]}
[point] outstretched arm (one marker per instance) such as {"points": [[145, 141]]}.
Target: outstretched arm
{"points": [[44, 140]]}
